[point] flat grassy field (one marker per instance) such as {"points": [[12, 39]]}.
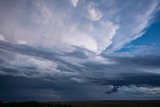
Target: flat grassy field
{"points": [[84, 104]]}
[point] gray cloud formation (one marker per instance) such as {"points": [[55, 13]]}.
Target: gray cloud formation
{"points": [[60, 75], [57, 50], [114, 90], [84, 67]]}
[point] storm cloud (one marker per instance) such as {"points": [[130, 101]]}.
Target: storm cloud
{"points": [[78, 50]]}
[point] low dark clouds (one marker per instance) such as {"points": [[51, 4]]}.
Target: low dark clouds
{"points": [[126, 79], [73, 76], [114, 90], [146, 61], [22, 88]]}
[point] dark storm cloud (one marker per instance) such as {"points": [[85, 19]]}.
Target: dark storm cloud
{"points": [[96, 72], [53, 50], [81, 77], [114, 90], [133, 65], [147, 61], [22, 88], [127, 71], [126, 79]]}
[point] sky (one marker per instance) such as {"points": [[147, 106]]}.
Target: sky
{"points": [[78, 50]]}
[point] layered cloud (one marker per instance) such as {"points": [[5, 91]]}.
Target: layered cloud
{"points": [[84, 68], [59, 75], [75, 43]]}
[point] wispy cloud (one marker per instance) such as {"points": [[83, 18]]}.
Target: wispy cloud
{"points": [[74, 3], [41, 22], [87, 68], [2, 38], [93, 13]]}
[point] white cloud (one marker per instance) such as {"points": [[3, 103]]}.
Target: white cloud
{"points": [[101, 60], [41, 13], [110, 31], [93, 13], [74, 3], [59, 37], [134, 27], [2, 38], [48, 25], [21, 42], [77, 80], [82, 40], [20, 60], [151, 70], [143, 90], [49, 28]]}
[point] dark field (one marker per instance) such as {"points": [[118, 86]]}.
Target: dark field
{"points": [[85, 104]]}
